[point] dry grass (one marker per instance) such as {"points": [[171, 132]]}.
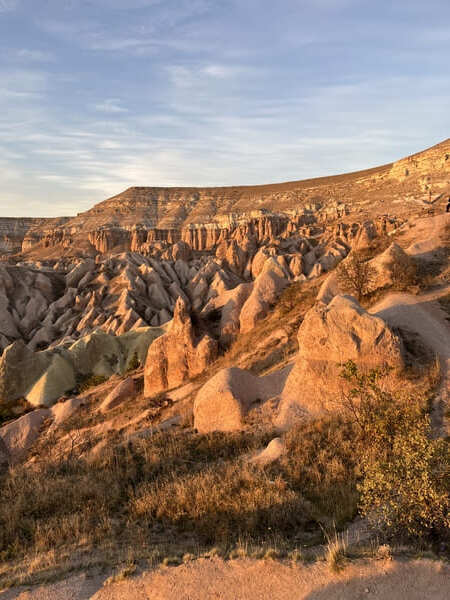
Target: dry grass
{"points": [[197, 490], [121, 575], [258, 350], [336, 552]]}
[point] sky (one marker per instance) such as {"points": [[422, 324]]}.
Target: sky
{"points": [[100, 95]]}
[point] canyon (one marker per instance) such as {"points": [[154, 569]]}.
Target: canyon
{"points": [[186, 336]]}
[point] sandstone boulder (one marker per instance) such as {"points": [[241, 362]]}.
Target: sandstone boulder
{"points": [[98, 353], [58, 378], [365, 236], [391, 265], [62, 411], [329, 289], [229, 303], [258, 262], [178, 355], [222, 403], [181, 251], [20, 434], [272, 452], [74, 277], [296, 265], [329, 336]]}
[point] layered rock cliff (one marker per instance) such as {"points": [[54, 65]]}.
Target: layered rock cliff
{"points": [[149, 220], [13, 231]]}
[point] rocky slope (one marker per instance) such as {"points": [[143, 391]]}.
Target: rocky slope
{"points": [[225, 252], [233, 284]]}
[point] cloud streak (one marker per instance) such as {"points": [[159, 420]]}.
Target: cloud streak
{"points": [[8, 5], [112, 105]]}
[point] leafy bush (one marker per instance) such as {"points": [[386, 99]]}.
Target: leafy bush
{"points": [[405, 477]]}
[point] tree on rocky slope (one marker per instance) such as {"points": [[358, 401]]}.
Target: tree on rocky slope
{"points": [[355, 275]]}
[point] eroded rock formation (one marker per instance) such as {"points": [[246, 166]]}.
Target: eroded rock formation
{"points": [[329, 336], [178, 355], [43, 377]]}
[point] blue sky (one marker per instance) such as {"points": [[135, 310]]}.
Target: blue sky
{"points": [[99, 95]]}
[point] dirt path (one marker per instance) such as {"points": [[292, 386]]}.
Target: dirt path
{"points": [[423, 315], [427, 236], [259, 580]]}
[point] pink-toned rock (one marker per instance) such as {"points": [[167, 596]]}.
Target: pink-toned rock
{"points": [[386, 265], [229, 303], [329, 336], [258, 262], [296, 265], [181, 251], [366, 234], [272, 452], [178, 355], [222, 403], [267, 287], [124, 390], [20, 435]]}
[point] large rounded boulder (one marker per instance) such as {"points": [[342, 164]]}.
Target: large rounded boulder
{"points": [[329, 336], [223, 402]]}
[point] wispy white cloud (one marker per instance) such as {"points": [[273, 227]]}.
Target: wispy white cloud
{"points": [[162, 28], [202, 75], [33, 55], [109, 145], [8, 5], [112, 105], [221, 71], [201, 92]]}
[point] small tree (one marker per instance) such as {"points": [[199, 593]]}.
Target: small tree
{"points": [[404, 487], [355, 275]]}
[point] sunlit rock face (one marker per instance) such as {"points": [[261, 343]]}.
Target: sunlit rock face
{"points": [[329, 336]]}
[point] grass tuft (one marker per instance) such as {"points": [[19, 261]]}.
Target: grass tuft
{"points": [[336, 553]]}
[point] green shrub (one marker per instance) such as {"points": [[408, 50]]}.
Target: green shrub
{"points": [[404, 471], [134, 363]]}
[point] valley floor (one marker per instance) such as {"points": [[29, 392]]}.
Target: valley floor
{"points": [[246, 579]]}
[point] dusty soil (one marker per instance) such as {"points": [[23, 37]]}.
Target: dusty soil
{"points": [[247, 579]]}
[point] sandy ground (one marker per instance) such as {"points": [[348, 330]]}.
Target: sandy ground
{"points": [[423, 315], [259, 580]]}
